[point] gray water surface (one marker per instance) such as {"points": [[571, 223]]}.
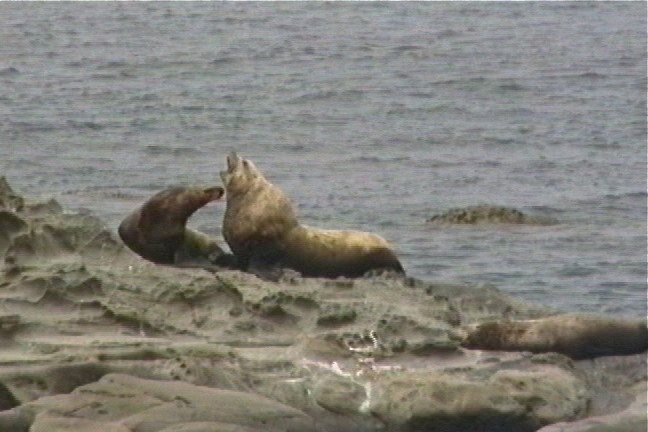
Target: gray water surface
{"points": [[370, 116]]}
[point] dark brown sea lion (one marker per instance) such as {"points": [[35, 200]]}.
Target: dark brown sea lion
{"points": [[261, 228], [577, 336], [157, 230]]}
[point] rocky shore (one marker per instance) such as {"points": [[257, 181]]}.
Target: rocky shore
{"points": [[93, 338]]}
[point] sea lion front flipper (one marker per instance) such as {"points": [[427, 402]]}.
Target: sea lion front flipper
{"points": [[265, 263], [215, 261], [200, 250], [224, 260]]}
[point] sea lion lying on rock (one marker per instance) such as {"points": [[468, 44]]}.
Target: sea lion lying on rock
{"points": [[157, 230], [262, 230], [577, 336]]}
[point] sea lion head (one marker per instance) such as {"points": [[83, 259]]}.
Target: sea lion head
{"points": [[240, 174], [175, 205], [156, 230]]}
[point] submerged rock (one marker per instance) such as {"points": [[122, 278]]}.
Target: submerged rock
{"points": [[489, 214]]}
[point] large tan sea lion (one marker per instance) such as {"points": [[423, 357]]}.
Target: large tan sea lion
{"points": [[575, 335], [157, 230], [262, 230]]}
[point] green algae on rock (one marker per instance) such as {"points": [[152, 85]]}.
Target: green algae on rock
{"points": [[488, 215]]}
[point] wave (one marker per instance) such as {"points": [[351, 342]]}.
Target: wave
{"points": [[376, 159], [511, 86], [293, 147], [639, 194], [221, 61], [592, 75], [9, 71], [37, 126], [611, 200], [585, 75], [353, 94], [406, 48], [85, 125], [158, 150], [113, 64]]}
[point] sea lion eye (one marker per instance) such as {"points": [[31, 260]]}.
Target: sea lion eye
{"points": [[246, 164]]}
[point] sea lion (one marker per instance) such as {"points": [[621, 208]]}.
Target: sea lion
{"points": [[261, 227], [157, 230], [575, 335]]}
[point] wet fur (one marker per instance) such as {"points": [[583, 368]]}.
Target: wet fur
{"points": [[261, 228], [157, 230], [577, 336]]}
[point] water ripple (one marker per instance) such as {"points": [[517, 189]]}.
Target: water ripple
{"points": [[371, 116]]}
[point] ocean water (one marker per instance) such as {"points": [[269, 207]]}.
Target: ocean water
{"points": [[371, 116]]}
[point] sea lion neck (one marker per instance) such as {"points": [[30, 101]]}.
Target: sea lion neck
{"points": [[238, 191], [157, 230]]}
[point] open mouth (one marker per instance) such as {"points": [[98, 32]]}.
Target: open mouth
{"points": [[232, 161]]}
